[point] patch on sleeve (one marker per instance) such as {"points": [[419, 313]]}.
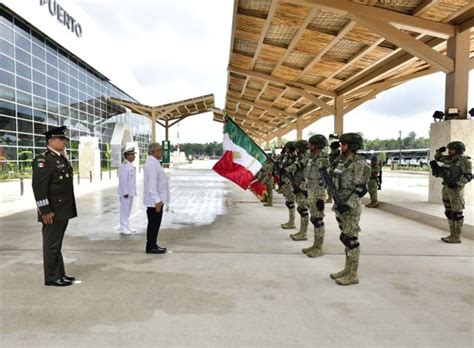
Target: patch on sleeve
{"points": [[40, 163]]}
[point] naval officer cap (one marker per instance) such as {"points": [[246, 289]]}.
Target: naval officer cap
{"points": [[129, 150], [56, 132]]}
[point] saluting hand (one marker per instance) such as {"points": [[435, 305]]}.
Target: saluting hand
{"points": [[47, 218]]}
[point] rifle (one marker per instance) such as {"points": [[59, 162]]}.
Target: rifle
{"points": [[450, 175], [296, 188], [341, 206]]}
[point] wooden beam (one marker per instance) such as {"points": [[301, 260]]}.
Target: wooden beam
{"points": [[262, 106], [406, 42], [339, 115], [351, 106], [401, 20], [471, 63], [424, 6], [279, 80], [246, 118], [466, 25], [314, 100], [161, 124], [394, 81]]}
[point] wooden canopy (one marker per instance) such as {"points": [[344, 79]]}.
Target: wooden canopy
{"points": [[293, 62], [167, 115]]}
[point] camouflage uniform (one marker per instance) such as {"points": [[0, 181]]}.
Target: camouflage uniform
{"points": [[352, 176], [316, 198], [374, 183], [287, 189], [298, 171], [334, 158], [265, 175], [453, 192]]}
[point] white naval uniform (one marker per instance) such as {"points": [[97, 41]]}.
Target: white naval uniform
{"points": [[127, 186]]}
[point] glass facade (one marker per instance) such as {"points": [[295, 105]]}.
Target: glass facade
{"points": [[43, 86]]}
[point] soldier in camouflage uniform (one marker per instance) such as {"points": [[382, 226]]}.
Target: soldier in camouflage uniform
{"points": [[374, 183], [316, 192], [458, 172], [288, 159], [297, 171], [334, 158], [265, 175], [351, 175]]}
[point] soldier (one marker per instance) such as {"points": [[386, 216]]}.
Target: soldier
{"points": [[127, 189], [265, 175], [316, 193], [288, 159], [456, 173], [374, 182], [334, 158], [54, 194], [297, 171], [351, 177]]}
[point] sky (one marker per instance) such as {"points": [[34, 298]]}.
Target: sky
{"points": [[162, 51]]}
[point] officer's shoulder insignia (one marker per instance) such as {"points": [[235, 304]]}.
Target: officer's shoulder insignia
{"points": [[40, 161]]}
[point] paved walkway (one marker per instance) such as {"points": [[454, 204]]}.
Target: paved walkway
{"points": [[233, 278]]}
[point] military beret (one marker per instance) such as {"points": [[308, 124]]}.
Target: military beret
{"points": [[56, 132]]}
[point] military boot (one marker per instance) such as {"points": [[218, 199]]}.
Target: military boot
{"points": [[291, 223], [352, 265], [372, 204], [269, 202], [317, 249], [340, 273], [301, 235], [455, 228]]}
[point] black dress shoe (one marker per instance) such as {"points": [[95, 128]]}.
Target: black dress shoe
{"points": [[59, 282], [68, 278], [156, 250]]}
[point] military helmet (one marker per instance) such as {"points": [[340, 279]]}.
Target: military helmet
{"points": [[290, 146], [458, 146], [302, 145], [318, 140], [354, 141]]}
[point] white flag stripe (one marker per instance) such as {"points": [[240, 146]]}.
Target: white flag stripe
{"points": [[245, 160]]}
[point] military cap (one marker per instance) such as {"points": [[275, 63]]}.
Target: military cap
{"points": [[458, 146], [56, 132], [354, 140], [129, 150], [318, 140]]}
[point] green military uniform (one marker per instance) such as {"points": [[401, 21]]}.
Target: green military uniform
{"points": [[297, 171], [373, 184], [288, 159], [54, 193], [458, 172], [316, 193], [352, 176], [265, 175], [334, 158]]}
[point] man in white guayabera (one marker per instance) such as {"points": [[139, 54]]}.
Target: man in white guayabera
{"points": [[156, 194], [127, 189]]}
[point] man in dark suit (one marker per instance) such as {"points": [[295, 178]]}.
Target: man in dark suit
{"points": [[54, 195]]}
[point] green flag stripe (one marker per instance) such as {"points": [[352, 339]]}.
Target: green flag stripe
{"points": [[241, 139]]}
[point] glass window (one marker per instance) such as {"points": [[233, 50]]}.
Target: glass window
{"points": [[51, 47], [25, 139], [7, 138], [39, 64], [40, 128], [64, 99], [24, 98], [39, 103], [53, 95], [7, 108], [6, 63], [39, 77], [6, 18], [53, 107], [64, 110], [24, 85], [52, 83], [23, 43], [7, 123], [24, 112], [6, 33], [52, 119], [63, 66], [39, 116], [6, 48], [22, 28], [74, 114], [23, 56], [7, 79], [73, 82], [40, 141], [37, 38], [7, 93], [51, 59], [51, 71], [39, 90], [63, 77], [63, 88], [38, 51], [8, 153], [23, 70]]}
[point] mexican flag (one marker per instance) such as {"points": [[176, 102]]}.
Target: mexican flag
{"points": [[242, 158]]}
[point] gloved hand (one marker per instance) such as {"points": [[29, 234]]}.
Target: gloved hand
{"points": [[342, 208], [442, 149], [361, 190], [320, 204]]}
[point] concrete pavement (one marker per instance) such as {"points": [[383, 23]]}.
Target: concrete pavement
{"points": [[233, 279]]}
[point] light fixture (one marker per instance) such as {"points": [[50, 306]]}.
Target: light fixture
{"points": [[451, 113], [471, 112], [438, 116]]}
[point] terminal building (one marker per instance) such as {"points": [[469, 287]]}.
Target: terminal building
{"points": [[44, 85]]}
